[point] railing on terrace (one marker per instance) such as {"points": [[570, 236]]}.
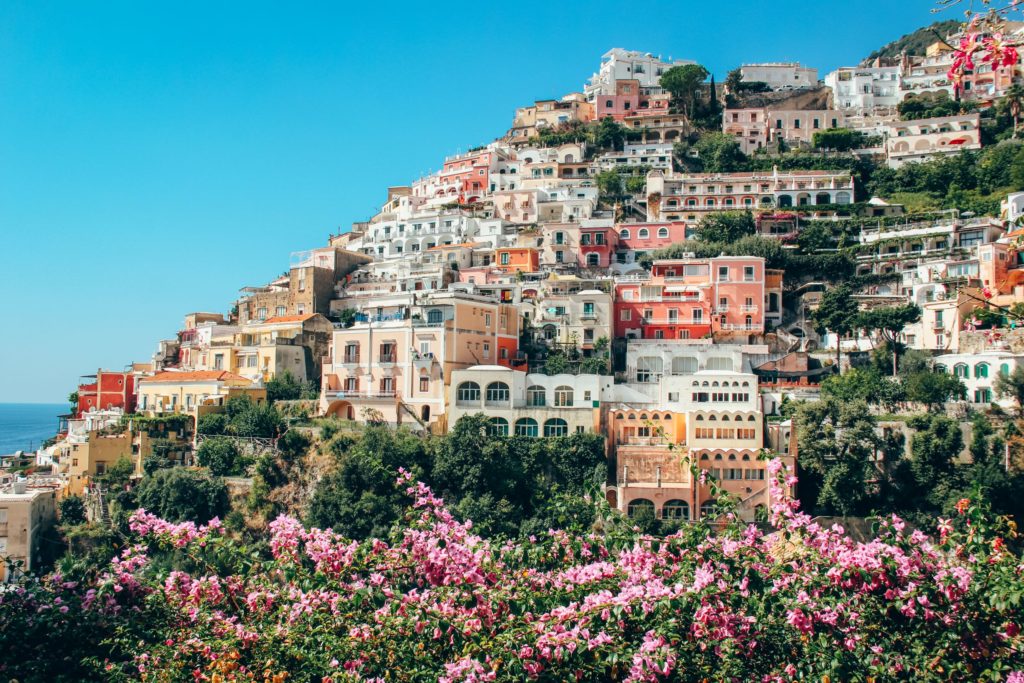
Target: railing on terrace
{"points": [[733, 327], [356, 394]]}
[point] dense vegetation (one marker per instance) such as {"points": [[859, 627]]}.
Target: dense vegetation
{"points": [[915, 43]]}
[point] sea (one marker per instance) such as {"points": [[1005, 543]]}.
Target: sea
{"points": [[25, 426]]}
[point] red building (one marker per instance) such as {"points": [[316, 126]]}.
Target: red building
{"points": [[597, 246], [108, 389], [688, 298]]}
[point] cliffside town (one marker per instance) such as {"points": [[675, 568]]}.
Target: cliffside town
{"points": [[640, 260]]}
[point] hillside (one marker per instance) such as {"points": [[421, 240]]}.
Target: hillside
{"points": [[915, 43]]}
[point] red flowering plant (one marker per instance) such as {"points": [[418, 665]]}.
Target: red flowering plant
{"points": [[436, 602], [983, 40]]}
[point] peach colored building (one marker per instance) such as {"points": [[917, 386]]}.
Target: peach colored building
{"points": [[517, 259], [690, 298], [398, 359]]}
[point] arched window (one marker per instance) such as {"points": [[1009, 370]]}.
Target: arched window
{"points": [[719, 363], [435, 317], [708, 508], [536, 396], [960, 370], [526, 426], [497, 426], [638, 506], [1004, 369], [467, 392], [556, 427], [497, 393], [675, 509], [981, 370], [648, 368], [939, 367], [691, 202], [644, 233], [563, 397], [624, 234], [662, 232]]}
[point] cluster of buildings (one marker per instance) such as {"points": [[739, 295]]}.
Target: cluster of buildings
{"points": [[452, 299]]}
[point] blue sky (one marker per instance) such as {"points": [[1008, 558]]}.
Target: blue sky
{"points": [[154, 158]]}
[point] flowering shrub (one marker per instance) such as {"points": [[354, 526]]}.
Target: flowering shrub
{"points": [[437, 602]]}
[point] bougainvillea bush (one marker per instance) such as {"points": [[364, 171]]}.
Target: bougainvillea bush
{"points": [[436, 602]]}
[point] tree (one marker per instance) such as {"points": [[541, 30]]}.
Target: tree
{"points": [[837, 313], [733, 80], [180, 494], [720, 153], [683, 83], [862, 384], [839, 139], [347, 317], [1012, 385], [212, 423], [73, 400], [725, 226], [72, 511], [119, 474], [889, 322], [609, 184], [284, 387], [1014, 99], [221, 457], [609, 134], [932, 388]]}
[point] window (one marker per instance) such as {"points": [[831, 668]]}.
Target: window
{"points": [[981, 370], [748, 273], [624, 234], [504, 258], [708, 508], [983, 395], [351, 384], [497, 426], [723, 273], [261, 313], [644, 233], [588, 308], [625, 315], [468, 392], [424, 383], [387, 386], [536, 396], [526, 426], [556, 427], [280, 310], [675, 509], [351, 353], [497, 393], [640, 506], [662, 232], [960, 370], [218, 361], [648, 368], [563, 397]]}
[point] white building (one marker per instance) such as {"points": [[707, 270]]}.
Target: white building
{"points": [[862, 90], [780, 75], [651, 155], [618, 64], [978, 372]]}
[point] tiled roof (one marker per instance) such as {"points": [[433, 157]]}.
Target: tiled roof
{"points": [[288, 319], [194, 376]]}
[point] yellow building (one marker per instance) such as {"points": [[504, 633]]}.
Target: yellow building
{"points": [[82, 462], [27, 510], [184, 392]]}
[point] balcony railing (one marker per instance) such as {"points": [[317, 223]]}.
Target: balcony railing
{"points": [[732, 327], [748, 308], [351, 359], [366, 395], [387, 358]]}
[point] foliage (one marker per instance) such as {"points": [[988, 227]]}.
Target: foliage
{"points": [[837, 312], [683, 82], [119, 474], [917, 42], [859, 384], [287, 387], [249, 419], [889, 322], [932, 108], [932, 388], [72, 511], [610, 185], [213, 424], [73, 401], [716, 153], [839, 139], [180, 494], [608, 134], [725, 226], [1012, 385], [436, 602], [221, 457]]}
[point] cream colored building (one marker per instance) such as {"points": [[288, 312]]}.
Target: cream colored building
{"points": [[184, 392], [922, 139], [524, 404], [27, 510]]}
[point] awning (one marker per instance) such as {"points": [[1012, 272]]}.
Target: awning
{"points": [[958, 141]]}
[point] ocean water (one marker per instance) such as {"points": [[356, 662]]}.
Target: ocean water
{"points": [[27, 425]]}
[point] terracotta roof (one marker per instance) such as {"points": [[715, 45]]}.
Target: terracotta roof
{"points": [[194, 376], [288, 319]]}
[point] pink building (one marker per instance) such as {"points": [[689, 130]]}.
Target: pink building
{"points": [[631, 99], [690, 298]]}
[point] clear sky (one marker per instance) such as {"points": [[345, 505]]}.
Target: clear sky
{"points": [[156, 157]]}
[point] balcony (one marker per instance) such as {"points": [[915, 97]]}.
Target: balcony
{"points": [[588, 315], [643, 441], [350, 359], [748, 308], [387, 358], [733, 327], [423, 361], [342, 394]]}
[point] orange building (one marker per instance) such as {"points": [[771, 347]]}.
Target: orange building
{"points": [[517, 259]]}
